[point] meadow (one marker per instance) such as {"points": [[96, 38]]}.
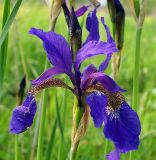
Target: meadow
{"points": [[26, 57]]}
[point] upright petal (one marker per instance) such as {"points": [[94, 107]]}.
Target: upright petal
{"points": [[109, 37], [86, 72], [92, 26], [93, 48], [23, 116], [105, 63], [57, 48], [107, 82], [123, 128], [97, 102], [81, 11]]}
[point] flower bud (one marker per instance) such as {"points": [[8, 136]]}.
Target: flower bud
{"points": [[20, 94], [117, 15], [55, 11], [76, 33], [74, 29], [96, 3], [137, 7]]}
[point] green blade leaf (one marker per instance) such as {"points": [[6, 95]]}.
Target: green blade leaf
{"points": [[7, 21], [10, 21], [4, 47]]}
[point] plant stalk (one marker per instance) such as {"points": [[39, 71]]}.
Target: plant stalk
{"points": [[73, 151], [16, 147], [136, 68], [42, 125]]}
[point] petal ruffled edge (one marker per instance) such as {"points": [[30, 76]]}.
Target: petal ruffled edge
{"points": [[23, 116]]}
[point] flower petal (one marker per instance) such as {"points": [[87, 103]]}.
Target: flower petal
{"points": [[107, 82], [114, 155], [81, 11], [87, 71], [93, 48], [23, 116], [124, 131], [57, 48], [105, 63], [48, 74], [109, 37], [97, 102], [92, 26]]}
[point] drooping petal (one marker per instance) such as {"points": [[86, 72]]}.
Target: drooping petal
{"points": [[97, 102], [114, 155], [81, 11], [123, 128], [23, 116], [48, 74], [92, 26], [107, 82], [93, 48], [57, 48]]}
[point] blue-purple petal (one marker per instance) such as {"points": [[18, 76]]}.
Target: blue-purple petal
{"points": [[23, 116], [48, 74], [124, 131], [86, 72], [92, 26], [114, 155], [109, 37], [107, 82], [93, 48], [105, 63], [81, 11], [97, 102], [57, 48]]}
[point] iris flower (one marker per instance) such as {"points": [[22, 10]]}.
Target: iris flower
{"points": [[100, 92]]}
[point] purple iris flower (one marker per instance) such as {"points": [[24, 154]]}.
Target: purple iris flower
{"points": [[104, 97]]}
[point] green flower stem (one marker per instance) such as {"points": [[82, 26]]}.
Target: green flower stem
{"points": [[73, 151], [16, 147], [136, 68], [77, 116], [42, 123], [136, 72]]}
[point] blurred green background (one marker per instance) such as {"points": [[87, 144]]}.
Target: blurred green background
{"points": [[26, 57]]}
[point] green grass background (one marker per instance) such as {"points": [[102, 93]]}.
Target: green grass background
{"points": [[26, 56]]}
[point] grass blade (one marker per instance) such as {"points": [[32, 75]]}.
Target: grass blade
{"points": [[4, 47], [42, 126], [8, 21], [60, 125], [51, 143]]}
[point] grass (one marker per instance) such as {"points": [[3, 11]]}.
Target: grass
{"points": [[93, 144]]}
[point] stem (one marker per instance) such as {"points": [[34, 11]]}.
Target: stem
{"points": [[136, 68], [16, 147], [73, 151], [136, 72], [42, 123]]}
